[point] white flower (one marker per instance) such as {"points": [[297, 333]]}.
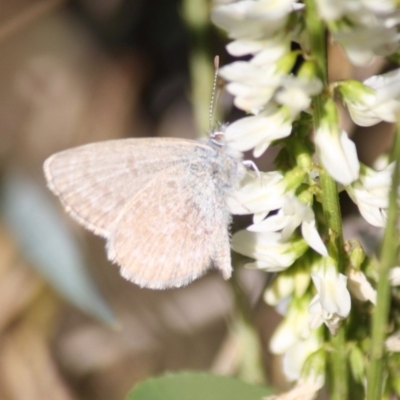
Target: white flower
{"points": [[360, 287], [252, 74], [294, 340], [270, 251], [387, 86], [359, 99], [371, 194], [258, 27], [392, 343], [273, 53], [252, 85], [282, 287], [253, 19], [293, 214], [394, 276], [378, 101], [380, 7], [362, 44], [332, 302], [258, 131], [273, 48], [295, 357], [338, 154], [259, 194], [295, 93], [333, 10], [293, 328], [354, 10], [364, 28], [386, 103]]}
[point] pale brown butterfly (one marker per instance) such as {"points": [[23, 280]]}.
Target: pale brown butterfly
{"points": [[161, 203]]}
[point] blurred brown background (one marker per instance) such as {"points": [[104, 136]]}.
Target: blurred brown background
{"points": [[83, 71]]}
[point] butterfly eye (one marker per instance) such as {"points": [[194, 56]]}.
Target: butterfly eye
{"points": [[218, 138]]}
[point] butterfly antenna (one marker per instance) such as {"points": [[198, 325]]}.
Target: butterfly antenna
{"points": [[214, 95]]}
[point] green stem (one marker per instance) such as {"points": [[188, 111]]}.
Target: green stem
{"points": [[338, 367], [317, 33], [387, 260], [332, 213], [330, 199]]}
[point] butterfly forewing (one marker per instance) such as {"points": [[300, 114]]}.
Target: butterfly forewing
{"points": [[95, 181]]}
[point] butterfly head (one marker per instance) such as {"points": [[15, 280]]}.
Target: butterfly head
{"points": [[217, 136]]}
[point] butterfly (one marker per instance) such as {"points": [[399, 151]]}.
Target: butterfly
{"points": [[161, 203]]}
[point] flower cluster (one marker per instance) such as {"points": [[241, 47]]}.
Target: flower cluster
{"points": [[264, 85], [281, 88], [363, 28], [374, 100]]}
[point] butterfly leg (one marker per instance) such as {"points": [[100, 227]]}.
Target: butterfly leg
{"points": [[252, 165]]}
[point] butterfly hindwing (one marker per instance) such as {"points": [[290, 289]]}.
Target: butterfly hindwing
{"points": [[169, 233]]}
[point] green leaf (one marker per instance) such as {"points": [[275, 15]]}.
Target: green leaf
{"points": [[197, 386]]}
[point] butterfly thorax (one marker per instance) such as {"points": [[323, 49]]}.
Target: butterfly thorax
{"points": [[227, 165]]}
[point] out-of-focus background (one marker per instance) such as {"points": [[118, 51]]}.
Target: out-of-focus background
{"points": [[73, 72]]}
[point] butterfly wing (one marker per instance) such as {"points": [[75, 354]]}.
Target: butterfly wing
{"points": [[172, 231], [95, 181]]}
